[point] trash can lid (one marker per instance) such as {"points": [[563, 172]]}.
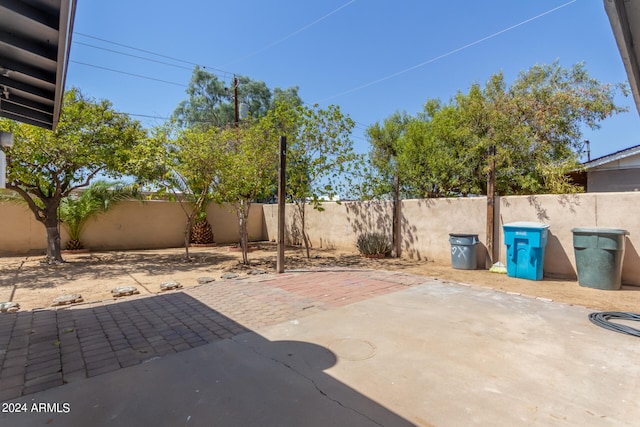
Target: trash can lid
{"points": [[600, 230], [463, 235], [526, 224]]}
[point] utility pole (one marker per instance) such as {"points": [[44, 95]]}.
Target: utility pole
{"points": [[282, 179], [236, 110]]}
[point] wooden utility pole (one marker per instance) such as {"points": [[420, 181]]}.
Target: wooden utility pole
{"points": [[282, 180], [236, 110], [491, 198], [396, 215]]}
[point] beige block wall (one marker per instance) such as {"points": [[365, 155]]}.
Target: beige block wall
{"points": [[135, 225], [565, 212], [426, 225], [336, 227], [129, 225], [20, 233], [224, 223]]}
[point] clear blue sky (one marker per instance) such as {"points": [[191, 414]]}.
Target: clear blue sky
{"points": [[370, 57]]}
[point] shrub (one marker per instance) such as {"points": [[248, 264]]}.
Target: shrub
{"points": [[373, 243]]}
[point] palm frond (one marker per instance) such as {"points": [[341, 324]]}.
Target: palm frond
{"points": [[99, 197]]}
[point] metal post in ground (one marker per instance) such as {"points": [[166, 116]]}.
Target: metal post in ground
{"points": [[282, 179]]}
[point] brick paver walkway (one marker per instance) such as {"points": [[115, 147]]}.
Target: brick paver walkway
{"points": [[42, 349]]}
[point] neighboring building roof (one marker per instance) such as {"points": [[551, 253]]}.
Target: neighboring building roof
{"points": [[616, 157], [624, 16], [35, 39]]}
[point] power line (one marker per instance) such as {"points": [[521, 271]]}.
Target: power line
{"points": [[444, 55], [298, 31], [129, 74], [155, 53], [133, 56]]}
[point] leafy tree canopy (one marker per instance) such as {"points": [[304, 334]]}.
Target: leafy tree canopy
{"points": [[531, 129], [45, 166], [211, 101]]}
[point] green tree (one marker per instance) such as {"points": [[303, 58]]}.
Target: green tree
{"points": [[249, 158], [530, 131], [77, 208], [385, 139], [45, 166], [320, 158], [211, 103], [192, 173]]}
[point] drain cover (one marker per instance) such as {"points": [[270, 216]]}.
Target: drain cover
{"points": [[353, 349], [206, 279]]}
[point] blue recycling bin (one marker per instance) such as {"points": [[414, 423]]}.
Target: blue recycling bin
{"points": [[525, 243]]}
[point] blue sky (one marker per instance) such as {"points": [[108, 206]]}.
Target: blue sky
{"points": [[370, 57]]}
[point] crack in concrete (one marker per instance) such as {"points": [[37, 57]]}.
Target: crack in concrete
{"points": [[311, 380]]}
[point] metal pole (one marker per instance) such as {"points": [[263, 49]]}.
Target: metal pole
{"points": [[396, 215], [282, 179], [491, 198]]}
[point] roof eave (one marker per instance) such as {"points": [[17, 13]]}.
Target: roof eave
{"points": [[67, 17], [624, 27]]}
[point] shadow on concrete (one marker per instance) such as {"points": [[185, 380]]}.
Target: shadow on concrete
{"points": [[188, 364]]}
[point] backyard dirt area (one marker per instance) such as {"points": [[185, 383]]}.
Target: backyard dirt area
{"points": [[93, 275]]}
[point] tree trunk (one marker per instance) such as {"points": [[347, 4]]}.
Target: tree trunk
{"points": [[48, 216], [242, 210], [54, 256]]}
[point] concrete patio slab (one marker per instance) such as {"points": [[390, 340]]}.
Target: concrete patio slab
{"points": [[434, 353]]}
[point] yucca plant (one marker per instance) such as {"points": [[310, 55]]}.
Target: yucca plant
{"points": [[373, 243], [98, 198]]}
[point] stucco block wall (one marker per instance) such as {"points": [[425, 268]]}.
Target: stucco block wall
{"points": [[20, 233], [224, 223], [565, 212], [336, 227], [426, 225], [135, 225], [129, 225]]}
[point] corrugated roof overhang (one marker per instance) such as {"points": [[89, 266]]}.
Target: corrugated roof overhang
{"points": [[35, 40], [624, 16]]}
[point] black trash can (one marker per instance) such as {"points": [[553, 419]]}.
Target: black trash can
{"points": [[464, 251], [599, 253]]}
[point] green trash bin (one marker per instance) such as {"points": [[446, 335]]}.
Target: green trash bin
{"points": [[599, 253]]}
